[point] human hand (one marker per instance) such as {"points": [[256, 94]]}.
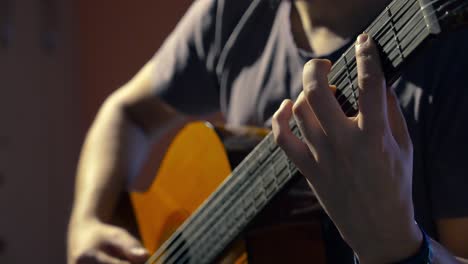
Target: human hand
{"points": [[93, 242], [360, 168]]}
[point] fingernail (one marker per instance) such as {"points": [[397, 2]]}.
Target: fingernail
{"points": [[362, 38], [139, 251]]}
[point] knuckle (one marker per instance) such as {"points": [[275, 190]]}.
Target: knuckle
{"points": [[317, 65], [279, 137], [299, 109], [277, 133], [311, 87], [296, 109], [278, 117], [366, 79]]}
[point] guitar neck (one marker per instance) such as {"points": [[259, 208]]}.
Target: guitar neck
{"points": [[398, 31]]}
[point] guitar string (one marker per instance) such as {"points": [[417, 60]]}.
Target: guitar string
{"points": [[420, 10], [430, 4], [176, 258], [353, 68], [350, 51], [191, 256], [351, 65], [205, 237]]}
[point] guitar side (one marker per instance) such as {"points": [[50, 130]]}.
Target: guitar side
{"points": [[195, 164]]}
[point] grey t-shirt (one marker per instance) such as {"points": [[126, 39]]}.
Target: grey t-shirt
{"points": [[239, 57]]}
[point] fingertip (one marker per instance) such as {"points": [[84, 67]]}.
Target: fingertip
{"points": [[362, 39], [286, 104], [284, 111], [138, 254], [138, 251]]}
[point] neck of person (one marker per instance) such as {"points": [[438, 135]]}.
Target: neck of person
{"points": [[323, 26]]}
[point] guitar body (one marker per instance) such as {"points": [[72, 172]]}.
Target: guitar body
{"points": [[195, 164]]}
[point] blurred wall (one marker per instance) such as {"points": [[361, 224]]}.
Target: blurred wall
{"points": [[48, 98], [116, 38], [38, 135]]}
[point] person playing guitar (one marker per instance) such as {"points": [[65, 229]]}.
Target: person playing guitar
{"points": [[392, 177]]}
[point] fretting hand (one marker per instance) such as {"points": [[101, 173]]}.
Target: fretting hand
{"points": [[360, 168]]}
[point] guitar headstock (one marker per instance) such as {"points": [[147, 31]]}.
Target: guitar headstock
{"points": [[452, 14]]}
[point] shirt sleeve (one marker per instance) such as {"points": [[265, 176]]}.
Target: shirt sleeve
{"points": [[448, 128], [184, 74]]}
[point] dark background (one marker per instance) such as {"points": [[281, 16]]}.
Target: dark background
{"points": [[59, 59]]}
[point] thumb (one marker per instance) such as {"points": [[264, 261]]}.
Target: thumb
{"points": [[124, 245]]}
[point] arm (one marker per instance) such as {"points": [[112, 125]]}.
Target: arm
{"points": [[126, 125], [359, 168], [133, 118]]}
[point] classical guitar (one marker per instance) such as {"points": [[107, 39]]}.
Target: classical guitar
{"points": [[196, 207]]}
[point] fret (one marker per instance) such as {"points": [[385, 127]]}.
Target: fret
{"points": [[270, 190], [260, 199], [350, 82], [404, 33], [395, 34], [397, 23], [271, 143]]}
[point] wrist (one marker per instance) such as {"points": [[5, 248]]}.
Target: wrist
{"points": [[394, 247]]}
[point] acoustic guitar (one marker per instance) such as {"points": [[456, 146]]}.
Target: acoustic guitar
{"points": [[196, 206]]}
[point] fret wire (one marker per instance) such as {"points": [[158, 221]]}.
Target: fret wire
{"points": [[224, 240], [225, 204], [399, 19], [397, 4], [407, 51], [354, 71], [259, 182], [373, 26], [285, 171], [421, 35], [390, 55], [351, 53], [256, 208], [203, 210], [378, 37]]}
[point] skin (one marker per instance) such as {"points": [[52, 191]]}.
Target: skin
{"points": [[370, 202], [132, 119]]}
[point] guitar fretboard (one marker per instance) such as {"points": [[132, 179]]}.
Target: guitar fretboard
{"points": [[399, 30]]}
